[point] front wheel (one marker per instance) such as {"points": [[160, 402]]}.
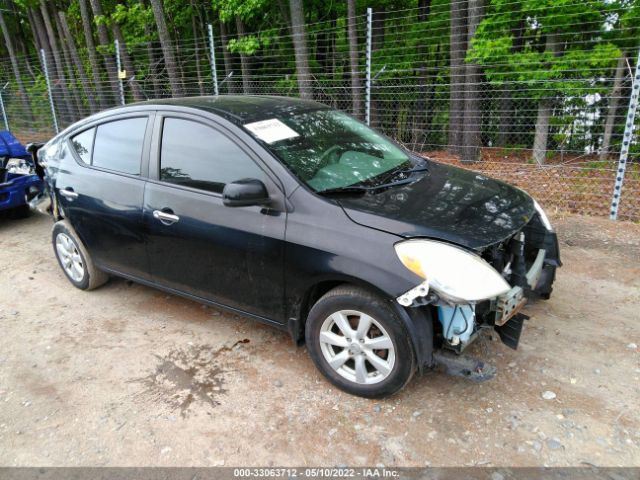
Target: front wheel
{"points": [[358, 343]]}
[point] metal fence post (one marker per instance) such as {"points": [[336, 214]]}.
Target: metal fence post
{"points": [[118, 65], [214, 71], [46, 77], [367, 107], [626, 142], [4, 112]]}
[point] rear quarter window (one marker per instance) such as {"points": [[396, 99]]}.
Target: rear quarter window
{"points": [[83, 144], [118, 145]]}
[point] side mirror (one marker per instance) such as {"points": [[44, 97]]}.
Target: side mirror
{"points": [[244, 193]]}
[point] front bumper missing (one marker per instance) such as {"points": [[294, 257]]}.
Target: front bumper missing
{"points": [[505, 310], [508, 305]]}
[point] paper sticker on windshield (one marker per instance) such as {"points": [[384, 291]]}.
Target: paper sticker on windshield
{"points": [[271, 131]]}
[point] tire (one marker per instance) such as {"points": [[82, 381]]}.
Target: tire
{"points": [[20, 212], [82, 273], [326, 341]]}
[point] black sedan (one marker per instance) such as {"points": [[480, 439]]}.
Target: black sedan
{"points": [[383, 262]]}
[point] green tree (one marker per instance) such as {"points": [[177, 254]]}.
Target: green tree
{"points": [[558, 65]]}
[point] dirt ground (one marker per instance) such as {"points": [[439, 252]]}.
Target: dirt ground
{"points": [[129, 376]]}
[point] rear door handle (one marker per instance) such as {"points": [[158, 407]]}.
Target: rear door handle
{"points": [[165, 217], [69, 194]]}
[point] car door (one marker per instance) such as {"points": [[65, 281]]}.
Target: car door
{"points": [[230, 255], [100, 187]]}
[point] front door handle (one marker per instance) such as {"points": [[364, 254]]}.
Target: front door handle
{"points": [[165, 217], [69, 194]]}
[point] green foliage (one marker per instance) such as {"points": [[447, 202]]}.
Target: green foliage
{"points": [[579, 53], [244, 9], [132, 17]]}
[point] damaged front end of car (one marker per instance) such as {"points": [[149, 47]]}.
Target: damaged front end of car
{"points": [[475, 292], [18, 180]]}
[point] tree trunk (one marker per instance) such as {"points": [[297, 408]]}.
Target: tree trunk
{"points": [[226, 55], [84, 79], [167, 49], [542, 131], [153, 61], [109, 61], [87, 30], [425, 82], [285, 12], [300, 48], [472, 121], [34, 32], [506, 105], [71, 75], [616, 91], [68, 111], [424, 8], [138, 96], [245, 64], [28, 113], [377, 25], [377, 42], [324, 45], [458, 48], [356, 84], [40, 31], [544, 110], [196, 40], [151, 58]]}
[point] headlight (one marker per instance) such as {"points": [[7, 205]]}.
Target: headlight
{"points": [[19, 166], [455, 274], [543, 216]]}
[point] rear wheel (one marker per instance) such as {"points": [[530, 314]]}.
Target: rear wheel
{"points": [[357, 341], [74, 259]]}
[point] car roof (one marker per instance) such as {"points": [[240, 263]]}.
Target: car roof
{"points": [[241, 109]]}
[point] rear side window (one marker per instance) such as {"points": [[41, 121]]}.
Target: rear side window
{"points": [[197, 156], [118, 145], [83, 144]]}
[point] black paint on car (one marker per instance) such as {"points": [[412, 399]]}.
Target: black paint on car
{"points": [[301, 217]]}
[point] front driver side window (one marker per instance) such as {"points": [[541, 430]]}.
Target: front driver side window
{"points": [[197, 156]]}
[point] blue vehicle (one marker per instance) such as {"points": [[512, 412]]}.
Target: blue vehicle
{"points": [[18, 179]]}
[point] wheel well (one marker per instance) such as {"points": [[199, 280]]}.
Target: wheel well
{"points": [[419, 321], [313, 295]]}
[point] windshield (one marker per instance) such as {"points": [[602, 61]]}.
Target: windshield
{"points": [[328, 149]]}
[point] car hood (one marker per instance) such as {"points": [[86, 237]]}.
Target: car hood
{"points": [[447, 203]]}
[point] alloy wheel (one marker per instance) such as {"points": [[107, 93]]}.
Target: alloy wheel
{"points": [[357, 347], [69, 256]]}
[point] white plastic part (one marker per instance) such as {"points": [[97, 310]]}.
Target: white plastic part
{"points": [[457, 275], [406, 299], [543, 216]]}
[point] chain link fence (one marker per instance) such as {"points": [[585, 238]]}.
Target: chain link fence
{"points": [[550, 113]]}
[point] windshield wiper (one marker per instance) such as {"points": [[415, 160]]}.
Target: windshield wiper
{"points": [[403, 172], [341, 190], [395, 183], [359, 190]]}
